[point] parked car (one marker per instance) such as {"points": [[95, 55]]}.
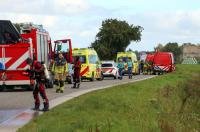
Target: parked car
{"points": [[109, 69]]}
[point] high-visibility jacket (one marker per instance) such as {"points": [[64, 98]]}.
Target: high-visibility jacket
{"points": [[130, 64], [120, 65], [60, 66]]}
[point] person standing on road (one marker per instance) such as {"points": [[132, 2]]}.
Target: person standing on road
{"points": [[130, 68], [149, 67], [77, 69], [59, 69], [141, 67], [120, 67], [36, 73]]}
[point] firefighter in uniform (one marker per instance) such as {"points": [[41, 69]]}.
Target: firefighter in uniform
{"points": [[37, 74], [59, 69]]}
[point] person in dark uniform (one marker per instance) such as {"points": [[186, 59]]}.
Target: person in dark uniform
{"points": [[77, 69], [36, 73], [141, 66]]}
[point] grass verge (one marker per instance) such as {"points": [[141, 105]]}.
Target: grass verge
{"points": [[165, 103]]}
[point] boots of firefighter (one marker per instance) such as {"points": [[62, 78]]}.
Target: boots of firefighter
{"points": [[62, 86], [37, 107], [57, 86], [46, 106], [57, 89], [36, 98]]}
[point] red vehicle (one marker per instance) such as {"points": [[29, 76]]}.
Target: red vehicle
{"points": [[163, 62], [15, 49], [65, 46], [149, 58]]}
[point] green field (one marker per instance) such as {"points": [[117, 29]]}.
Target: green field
{"points": [[166, 103]]}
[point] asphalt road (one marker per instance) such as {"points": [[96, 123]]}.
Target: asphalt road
{"points": [[16, 101]]}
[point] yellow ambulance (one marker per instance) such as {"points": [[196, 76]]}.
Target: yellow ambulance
{"points": [[128, 55], [91, 67]]}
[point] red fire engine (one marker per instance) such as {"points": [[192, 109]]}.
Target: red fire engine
{"points": [[149, 58], [34, 43], [163, 62]]}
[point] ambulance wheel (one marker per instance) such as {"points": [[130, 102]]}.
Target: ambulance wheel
{"points": [[92, 78]]}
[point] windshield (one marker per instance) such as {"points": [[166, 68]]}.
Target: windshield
{"points": [[81, 57], [107, 65], [124, 59], [8, 33], [62, 47]]}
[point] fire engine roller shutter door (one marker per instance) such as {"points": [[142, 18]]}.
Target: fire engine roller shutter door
{"points": [[38, 48], [42, 47], [46, 50]]}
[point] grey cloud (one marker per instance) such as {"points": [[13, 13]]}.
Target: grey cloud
{"points": [[45, 7]]}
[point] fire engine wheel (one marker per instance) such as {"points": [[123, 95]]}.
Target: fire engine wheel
{"points": [[29, 87], [2, 88]]}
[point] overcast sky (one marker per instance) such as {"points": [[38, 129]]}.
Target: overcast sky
{"points": [[163, 20]]}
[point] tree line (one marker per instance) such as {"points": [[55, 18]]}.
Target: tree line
{"points": [[176, 49]]}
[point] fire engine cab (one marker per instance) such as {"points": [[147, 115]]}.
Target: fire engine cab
{"points": [[15, 49]]}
